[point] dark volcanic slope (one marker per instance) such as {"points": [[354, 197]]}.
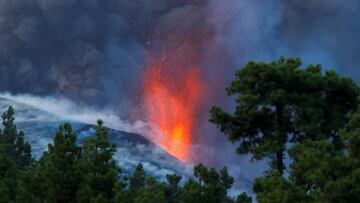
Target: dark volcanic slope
{"points": [[39, 127]]}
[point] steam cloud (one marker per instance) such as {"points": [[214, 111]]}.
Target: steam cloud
{"points": [[93, 51]]}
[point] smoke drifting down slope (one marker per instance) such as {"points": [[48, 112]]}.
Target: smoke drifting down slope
{"points": [[139, 57]]}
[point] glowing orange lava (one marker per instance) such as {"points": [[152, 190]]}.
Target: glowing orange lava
{"points": [[172, 93], [174, 87]]}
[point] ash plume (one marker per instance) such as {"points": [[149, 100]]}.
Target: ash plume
{"points": [[94, 51], [87, 50]]}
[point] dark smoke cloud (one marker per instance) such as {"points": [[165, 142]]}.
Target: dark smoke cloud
{"points": [[88, 50], [328, 28], [319, 31], [93, 51]]}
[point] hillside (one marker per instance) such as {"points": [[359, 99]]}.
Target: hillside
{"points": [[39, 127]]}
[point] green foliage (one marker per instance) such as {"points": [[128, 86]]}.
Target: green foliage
{"points": [[327, 175], [7, 166], [152, 192], [209, 186], [22, 151], [4, 193], [275, 188], [243, 198], [172, 190], [59, 175], [320, 171], [9, 132], [144, 189], [69, 172], [281, 102], [15, 154], [138, 179], [12, 141], [27, 186], [99, 169]]}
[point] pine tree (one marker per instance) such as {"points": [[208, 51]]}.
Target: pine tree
{"points": [[13, 142], [280, 102], [210, 186], [59, 175], [137, 180], [22, 151], [4, 193], [274, 188], [152, 192], [243, 198], [9, 133], [27, 188], [320, 172], [100, 169], [144, 189], [15, 153], [172, 190], [8, 173]]}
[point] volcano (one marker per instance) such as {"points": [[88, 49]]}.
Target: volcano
{"points": [[40, 126]]}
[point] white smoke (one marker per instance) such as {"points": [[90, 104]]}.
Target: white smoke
{"points": [[69, 110]]}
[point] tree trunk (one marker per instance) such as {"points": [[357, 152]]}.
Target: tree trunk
{"points": [[280, 161], [281, 136]]}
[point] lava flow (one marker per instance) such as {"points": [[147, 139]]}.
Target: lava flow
{"points": [[172, 96]]}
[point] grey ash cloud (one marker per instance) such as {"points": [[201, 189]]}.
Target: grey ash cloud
{"points": [[93, 51], [87, 50]]}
